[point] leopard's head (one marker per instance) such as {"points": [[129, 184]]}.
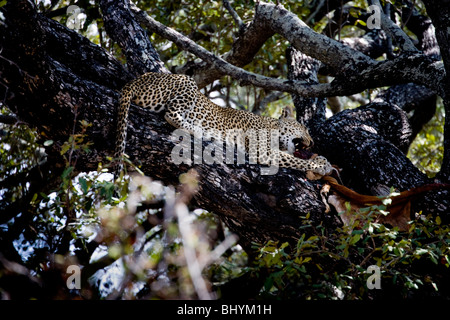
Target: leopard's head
{"points": [[294, 136]]}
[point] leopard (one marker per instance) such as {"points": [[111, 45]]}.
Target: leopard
{"points": [[187, 108]]}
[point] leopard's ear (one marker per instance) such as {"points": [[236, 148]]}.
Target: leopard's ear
{"points": [[287, 113]]}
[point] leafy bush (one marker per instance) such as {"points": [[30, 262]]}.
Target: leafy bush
{"points": [[335, 266]]}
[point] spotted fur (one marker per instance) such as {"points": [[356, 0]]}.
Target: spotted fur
{"points": [[187, 108]]}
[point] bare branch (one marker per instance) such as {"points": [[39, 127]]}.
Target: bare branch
{"points": [[234, 14], [398, 34], [224, 67], [423, 28], [338, 56], [243, 51], [314, 14], [411, 97], [357, 71]]}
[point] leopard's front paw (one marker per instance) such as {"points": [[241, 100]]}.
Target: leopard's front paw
{"points": [[321, 166]]}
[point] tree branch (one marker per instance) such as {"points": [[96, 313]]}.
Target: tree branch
{"points": [[423, 28], [304, 68], [235, 16], [249, 41], [131, 37], [411, 97], [398, 34], [357, 71]]}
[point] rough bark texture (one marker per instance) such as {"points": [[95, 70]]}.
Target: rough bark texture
{"points": [[304, 68], [439, 12], [48, 87], [124, 29]]}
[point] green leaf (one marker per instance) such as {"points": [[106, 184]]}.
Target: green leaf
{"points": [[421, 251], [65, 148], [268, 284], [438, 220], [83, 185], [34, 198], [48, 143], [307, 259], [66, 172], [365, 210], [354, 239]]}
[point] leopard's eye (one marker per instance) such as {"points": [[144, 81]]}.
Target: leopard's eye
{"points": [[300, 144]]}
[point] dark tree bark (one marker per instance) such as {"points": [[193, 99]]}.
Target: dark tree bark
{"points": [[46, 85], [123, 28], [310, 111], [439, 12]]}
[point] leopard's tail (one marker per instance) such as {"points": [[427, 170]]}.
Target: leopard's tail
{"points": [[126, 94]]}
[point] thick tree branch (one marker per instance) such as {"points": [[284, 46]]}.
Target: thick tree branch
{"points": [[304, 68], [423, 28], [411, 97], [250, 39], [131, 38], [372, 44]]}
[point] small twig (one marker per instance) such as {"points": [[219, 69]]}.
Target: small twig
{"points": [[271, 97], [313, 15], [193, 264], [17, 66], [410, 14], [218, 251], [234, 14], [390, 54]]}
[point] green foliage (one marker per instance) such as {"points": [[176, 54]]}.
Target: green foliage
{"points": [[20, 159], [334, 266], [427, 150]]}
